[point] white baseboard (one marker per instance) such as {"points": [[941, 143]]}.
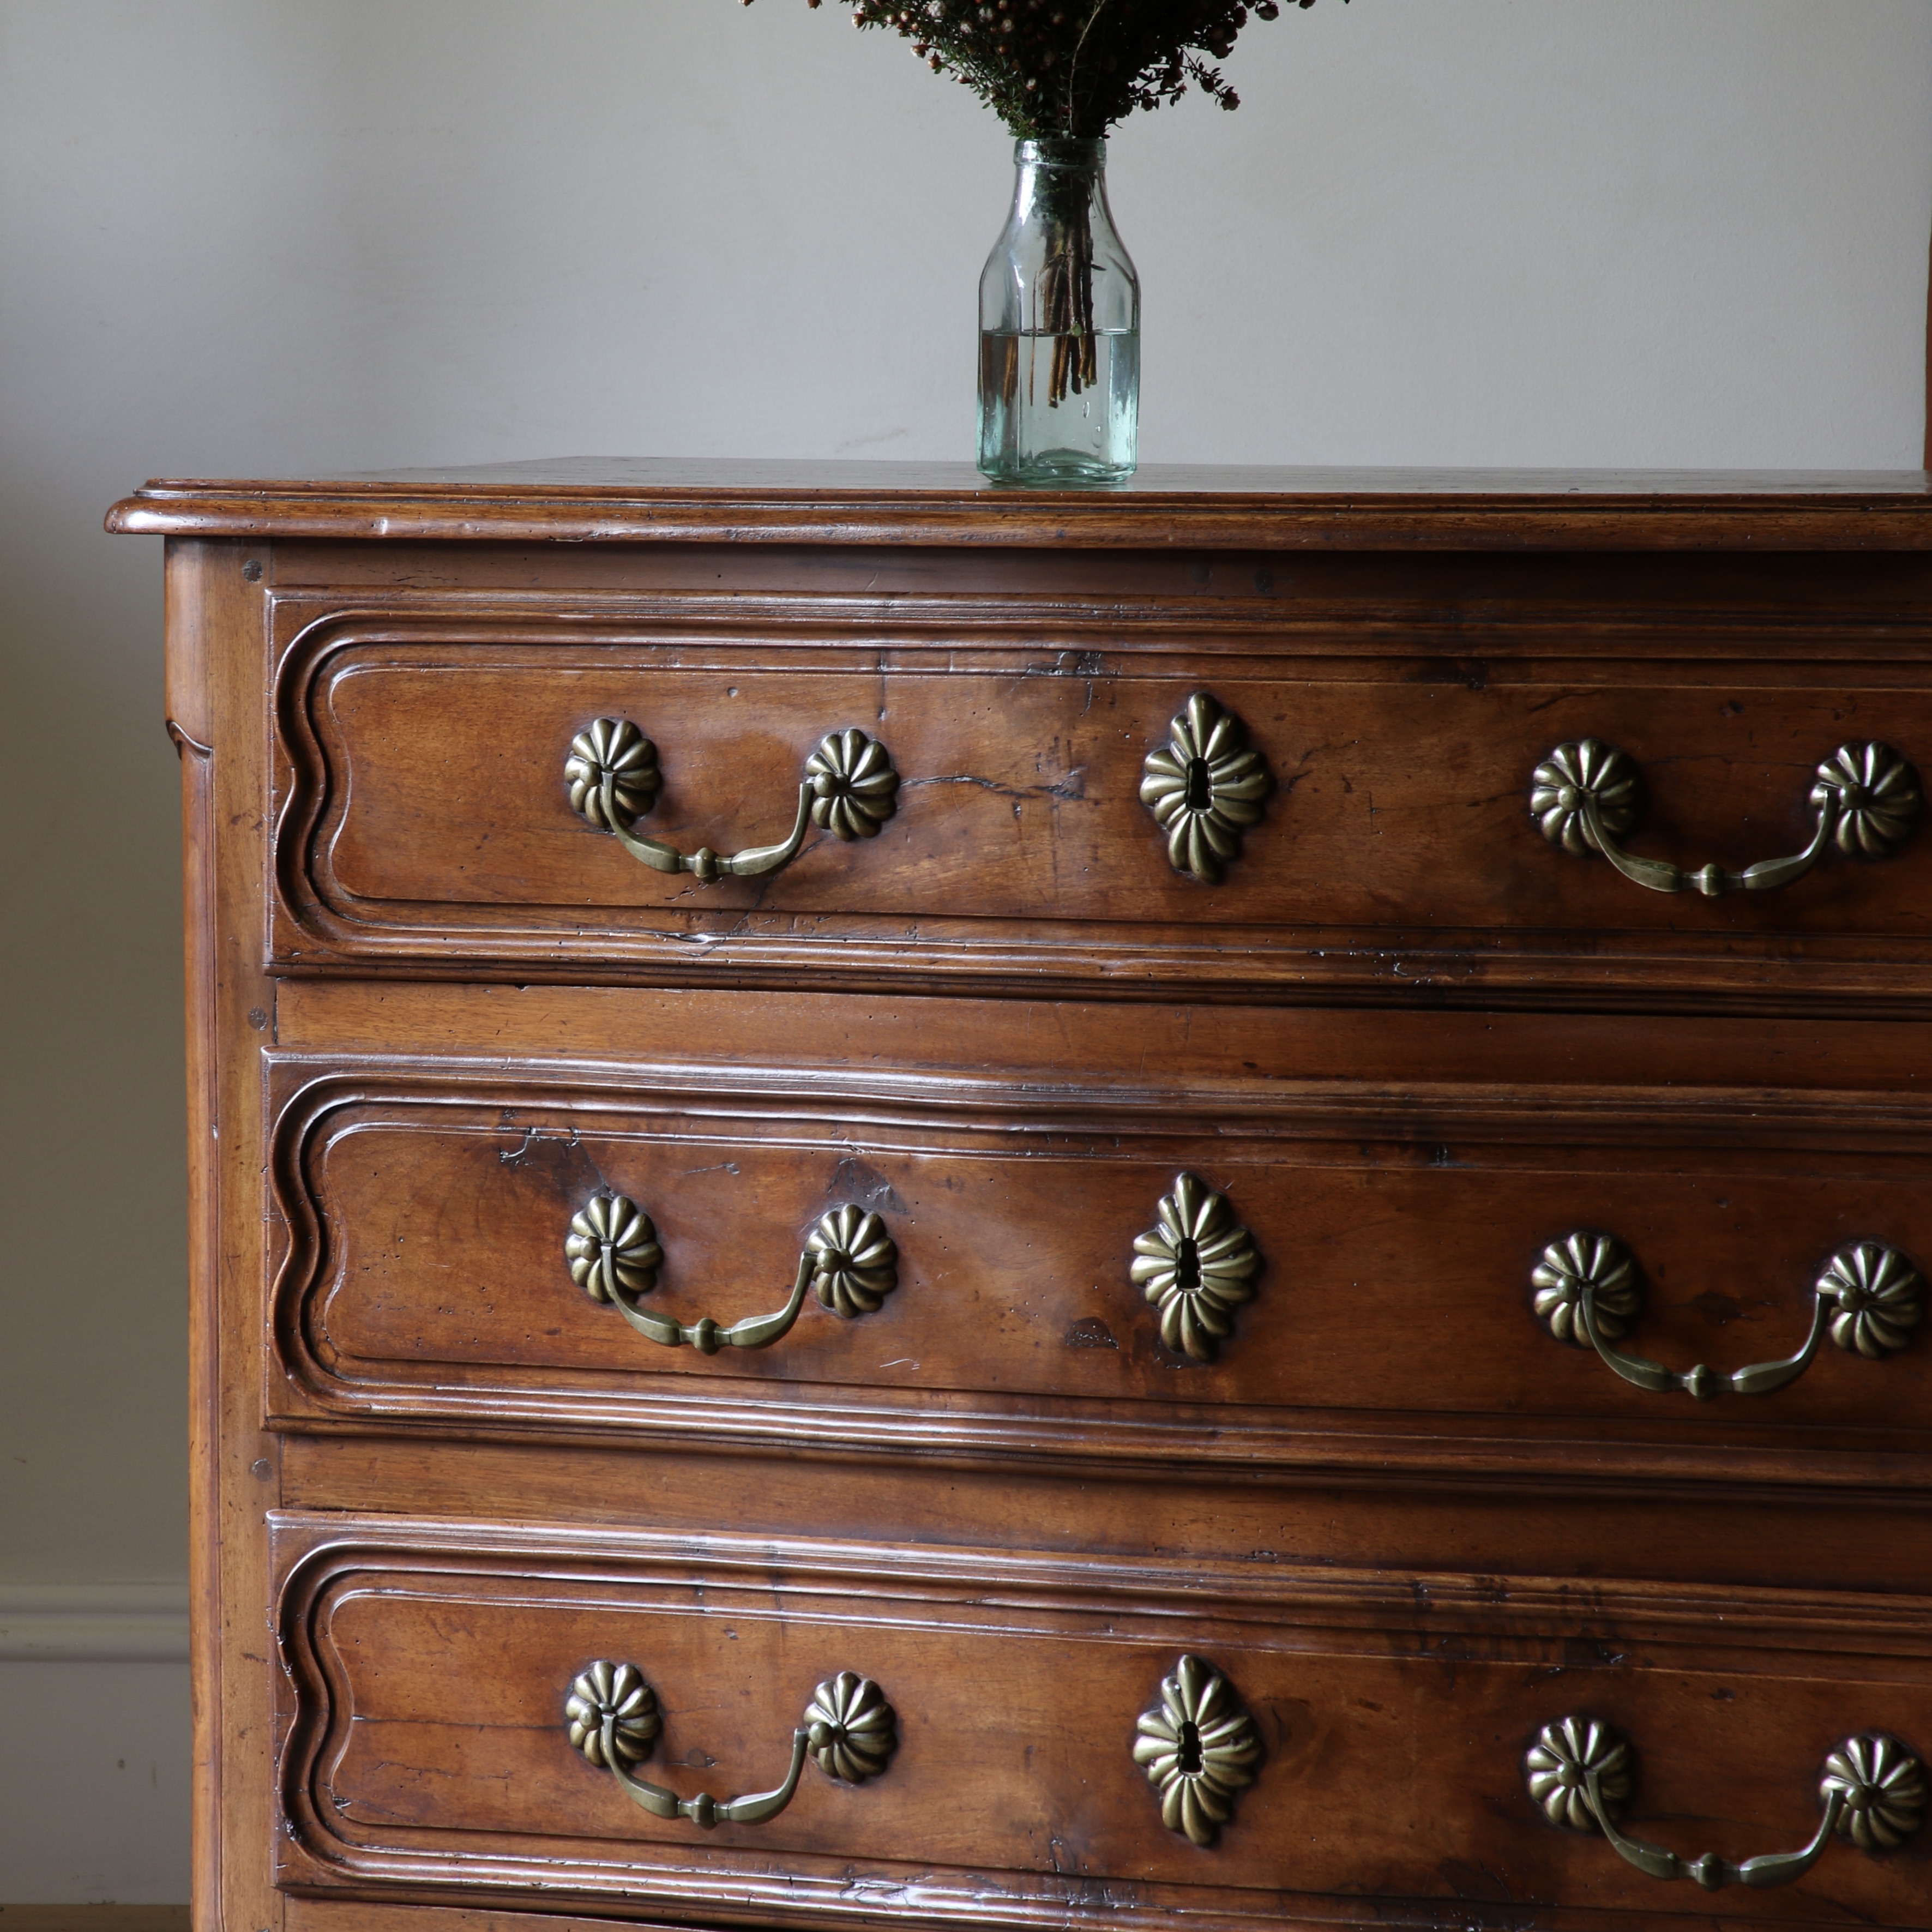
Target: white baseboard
{"points": [[98, 1623]]}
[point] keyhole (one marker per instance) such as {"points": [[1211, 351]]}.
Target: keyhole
{"points": [[1200, 793], [1190, 1748], [1187, 1266]]}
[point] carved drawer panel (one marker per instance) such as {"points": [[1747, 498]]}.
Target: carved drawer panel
{"points": [[1176, 804], [1596, 1284], [838, 1734]]}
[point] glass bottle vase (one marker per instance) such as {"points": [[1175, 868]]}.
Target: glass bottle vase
{"points": [[1060, 328]]}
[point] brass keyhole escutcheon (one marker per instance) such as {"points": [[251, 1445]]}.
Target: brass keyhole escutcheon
{"points": [[1205, 788], [1198, 1748], [1196, 1264]]}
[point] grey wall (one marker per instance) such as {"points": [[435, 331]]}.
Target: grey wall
{"points": [[274, 236]]}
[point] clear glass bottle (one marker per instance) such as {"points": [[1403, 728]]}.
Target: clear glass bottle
{"points": [[1060, 328]]}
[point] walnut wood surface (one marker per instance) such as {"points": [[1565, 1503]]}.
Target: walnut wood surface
{"points": [[426, 817], [1393, 1489], [1749, 1078], [214, 618], [599, 501], [424, 828], [1405, 1525], [426, 1281], [427, 1747]]}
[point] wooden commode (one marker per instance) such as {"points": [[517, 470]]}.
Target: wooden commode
{"points": [[1198, 1208]]}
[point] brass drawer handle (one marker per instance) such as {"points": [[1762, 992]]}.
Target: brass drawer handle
{"points": [[1589, 1291], [848, 1730], [1586, 795], [1199, 1749], [613, 1255], [850, 789], [1580, 1775], [1196, 1265], [1205, 788]]}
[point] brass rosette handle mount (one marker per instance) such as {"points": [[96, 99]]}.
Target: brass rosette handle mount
{"points": [[611, 1717], [1580, 1773], [1587, 1288], [1587, 795], [612, 1251], [849, 789]]}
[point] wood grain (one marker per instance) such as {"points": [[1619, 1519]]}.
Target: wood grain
{"points": [[426, 1282], [1404, 1523], [1397, 855], [1354, 1065], [427, 1009], [190, 712], [592, 501], [218, 630], [426, 1745]]}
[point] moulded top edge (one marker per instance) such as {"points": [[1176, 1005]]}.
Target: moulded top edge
{"points": [[590, 500]]}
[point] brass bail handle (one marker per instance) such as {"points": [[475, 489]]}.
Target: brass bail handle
{"points": [[1589, 1291], [613, 1253], [849, 789], [1587, 794], [611, 1715], [1579, 1774]]}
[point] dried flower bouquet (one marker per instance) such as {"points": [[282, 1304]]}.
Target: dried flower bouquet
{"points": [[1071, 67]]}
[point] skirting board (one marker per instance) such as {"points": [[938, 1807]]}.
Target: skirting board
{"points": [[98, 1623]]}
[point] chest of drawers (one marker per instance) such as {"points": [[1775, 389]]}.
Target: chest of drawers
{"points": [[918, 1206]]}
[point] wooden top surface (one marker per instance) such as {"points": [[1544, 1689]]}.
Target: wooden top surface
{"points": [[609, 499]]}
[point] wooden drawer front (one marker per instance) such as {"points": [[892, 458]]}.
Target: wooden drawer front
{"points": [[1388, 1317], [427, 818], [1383, 1721]]}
